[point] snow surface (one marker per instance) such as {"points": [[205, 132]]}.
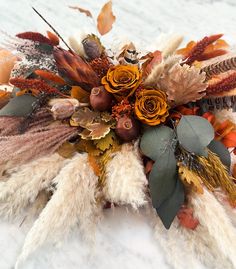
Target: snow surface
{"points": [[124, 239]]}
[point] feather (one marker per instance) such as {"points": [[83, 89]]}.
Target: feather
{"points": [[212, 215], [73, 201], [25, 183], [125, 178], [220, 67]]}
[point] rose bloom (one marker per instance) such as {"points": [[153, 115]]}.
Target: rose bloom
{"points": [[151, 106], [122, 80]]}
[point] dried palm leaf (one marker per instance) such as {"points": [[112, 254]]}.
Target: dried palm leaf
{"points": [[73, 201], [183, 84]]}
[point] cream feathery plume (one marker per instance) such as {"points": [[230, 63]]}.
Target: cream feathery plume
{"points": [[230, 211], [125, 178], [74, 201], [159, 69], [25, 183], [212, 215], [171, 45], [173, 243], [203, 246]]}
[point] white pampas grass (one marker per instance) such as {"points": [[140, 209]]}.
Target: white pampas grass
{"points": [[203, 246], [25, 183], [171, 45], [172, 241], [73, 201], [125, 178], [212, 215]]}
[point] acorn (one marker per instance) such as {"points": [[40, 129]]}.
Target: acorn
{"points": [[100, 99], [127, 128]]}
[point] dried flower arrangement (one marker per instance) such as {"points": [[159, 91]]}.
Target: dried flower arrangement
{"points": [[81, 130]]}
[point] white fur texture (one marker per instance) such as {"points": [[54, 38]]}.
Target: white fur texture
{"points": [[125, 178], [212, 216], [25, 183]]}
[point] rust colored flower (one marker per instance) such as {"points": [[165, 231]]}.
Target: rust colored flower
{"points": [[151, 106], [122, 80]]}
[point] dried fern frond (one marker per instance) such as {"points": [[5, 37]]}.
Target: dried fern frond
{"points": [[25, 183], [159, 69], [219, 67], [125, 178], [73, 202], [214, 174], [183, 84]]}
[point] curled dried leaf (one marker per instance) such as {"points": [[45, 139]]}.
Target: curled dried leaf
{"points": [[105, 19], [95, 130], [82, 10]]}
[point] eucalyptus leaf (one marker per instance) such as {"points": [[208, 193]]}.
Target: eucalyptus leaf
{"points": [[195, 134], [156, 141], [19, 106], [169, 208], [218, 148], [162, 178]]}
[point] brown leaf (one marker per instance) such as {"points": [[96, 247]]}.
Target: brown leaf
{"points": [[67, 150], [80, 94], [183, 84], [87, 146], [82, 10], [94, 163], [105, 19], [95, 130], [84, 117], [106, 142], [74, 68]]}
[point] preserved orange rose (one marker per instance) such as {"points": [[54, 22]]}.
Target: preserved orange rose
{"points": [[122, 80], [151, 106]]}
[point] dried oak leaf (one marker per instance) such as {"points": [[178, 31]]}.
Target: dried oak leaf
{"points": [[84, 117], [189, 177], [82, 10], [95, 130], [106, 142], [87, 146], [183, 84], [105, 19], [67, 150], [74, 68]]}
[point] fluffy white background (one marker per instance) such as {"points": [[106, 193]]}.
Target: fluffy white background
{"points": [[125, 239]]}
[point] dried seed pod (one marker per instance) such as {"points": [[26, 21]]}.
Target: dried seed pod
{"points": [[100, 99], [92, 47], [127, 128]]}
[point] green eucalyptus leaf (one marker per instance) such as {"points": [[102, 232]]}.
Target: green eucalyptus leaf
{"points": [[162, 178], [195, 134], [218, 148], [156, 141], [19, 106], [169, 208]]}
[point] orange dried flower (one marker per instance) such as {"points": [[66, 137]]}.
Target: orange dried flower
{"points": [[100, 66], [121, 109], [122, 80], [151, 106]]}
